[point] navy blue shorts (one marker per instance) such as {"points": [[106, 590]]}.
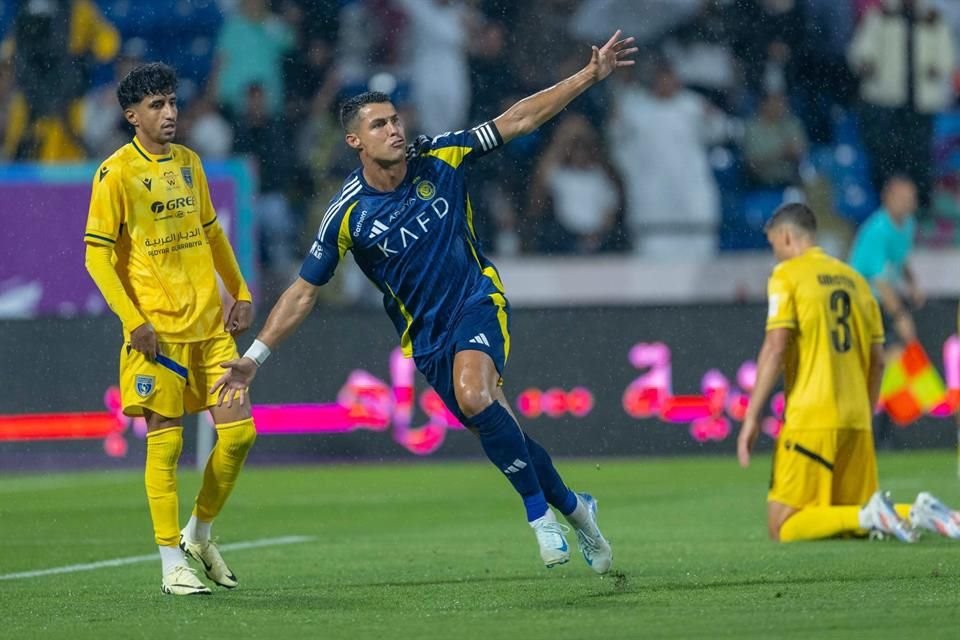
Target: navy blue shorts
{"points": [[480, 327]]}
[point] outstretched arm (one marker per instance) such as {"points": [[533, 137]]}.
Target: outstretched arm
{"points": [[291, 309], [533, 111]]}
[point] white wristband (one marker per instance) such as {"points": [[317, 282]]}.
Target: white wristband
{"points": [[258, 352]]}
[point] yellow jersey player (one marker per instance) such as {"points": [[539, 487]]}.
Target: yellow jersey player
{"points": [[825, 333], [154, 247]]}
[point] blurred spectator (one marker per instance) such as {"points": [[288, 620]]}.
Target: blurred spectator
{"points": [[768, 38], [250, 49], [904, 56], [264, 136], [53, 45], [105, 128], [306, 74], [207, 131], [439, 36], [773, 144], [658, 139], [824, 79], [540, 40], [701, 53], [574, 181]]}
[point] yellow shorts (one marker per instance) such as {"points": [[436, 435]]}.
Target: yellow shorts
{"points": [[178, 381], [823, 467]]}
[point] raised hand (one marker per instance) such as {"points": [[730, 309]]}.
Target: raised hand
{"points": [[235, 381], [606, 59]]}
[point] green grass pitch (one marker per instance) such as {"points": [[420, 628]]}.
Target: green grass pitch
{"points": [[441, 550]]}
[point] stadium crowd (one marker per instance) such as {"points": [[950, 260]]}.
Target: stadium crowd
{"points": [[734, 106]]}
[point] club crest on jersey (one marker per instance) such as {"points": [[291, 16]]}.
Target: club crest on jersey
{"points": [[144, 385], [187, 174], [171, 179], [426, 190]]}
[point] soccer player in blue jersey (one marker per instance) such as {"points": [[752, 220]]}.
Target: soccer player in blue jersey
{"points": [[407, 217]]}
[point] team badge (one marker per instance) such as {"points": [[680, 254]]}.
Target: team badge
{"points": [[144, 385], [426, 190], [187, 174], [171, 179]]}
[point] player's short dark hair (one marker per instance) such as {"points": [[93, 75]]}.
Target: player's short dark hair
{"points": [[350, 108], [151, 79], [795, 213]]}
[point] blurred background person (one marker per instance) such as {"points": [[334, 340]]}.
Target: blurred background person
{"points": [[53, 45], [575, 197], [439, 36], [658, 137], [903, 54], [265, 137], [774, 144], [104, 128], [250, 50], [881, 253]]}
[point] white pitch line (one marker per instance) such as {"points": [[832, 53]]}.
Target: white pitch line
{"points": [[119, 562]]}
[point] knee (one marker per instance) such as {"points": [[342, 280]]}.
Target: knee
{"points": [[472, 400]]}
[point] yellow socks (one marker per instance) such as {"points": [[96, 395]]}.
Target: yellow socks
{"points": [[816, 523], [234, 440], [160, 478], [903, 510]]}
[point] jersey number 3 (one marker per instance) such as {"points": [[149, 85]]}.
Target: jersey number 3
{"points": [[840, 306]]}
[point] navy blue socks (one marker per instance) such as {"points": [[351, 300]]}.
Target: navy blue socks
{"points": [[504, 444]]}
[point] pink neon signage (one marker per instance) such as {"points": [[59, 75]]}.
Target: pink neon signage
{"points": [[367, 402]]}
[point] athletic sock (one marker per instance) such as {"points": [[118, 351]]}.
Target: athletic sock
{"points": [[171, 557], [503, 442], [554, 490], [160, 479], [197, 530], [234, 440], [817, 523]]}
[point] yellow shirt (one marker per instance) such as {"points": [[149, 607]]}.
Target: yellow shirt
{"points": [[835, 320], [155, 211]]}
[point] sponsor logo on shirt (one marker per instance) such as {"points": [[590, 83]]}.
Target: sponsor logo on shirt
{"points": [[426, 190]]}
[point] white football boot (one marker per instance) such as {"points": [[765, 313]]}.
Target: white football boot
{"points": [[594, 547], [879, 515], [553, 545], [183, 581], [929, 513], [207, 554]]}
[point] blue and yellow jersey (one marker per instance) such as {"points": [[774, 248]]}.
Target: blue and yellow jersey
{"points": [[417, 243]]}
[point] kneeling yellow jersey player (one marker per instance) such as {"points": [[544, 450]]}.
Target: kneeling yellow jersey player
{"points": [[154, 249], [825, 334]]}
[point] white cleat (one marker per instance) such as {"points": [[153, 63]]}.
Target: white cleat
{"points": [[183, 581], [207, 554], [553, 546], [929, 513], [880, 516], [594, 547]]}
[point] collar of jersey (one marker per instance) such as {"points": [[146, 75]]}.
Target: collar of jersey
{"points": [[403, 183], [150, 157]]}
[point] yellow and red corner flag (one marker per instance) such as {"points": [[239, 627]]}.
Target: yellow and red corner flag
{"points": [[911, 386]]}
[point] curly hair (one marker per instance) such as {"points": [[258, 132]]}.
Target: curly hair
{"points": [[152, 79]]}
